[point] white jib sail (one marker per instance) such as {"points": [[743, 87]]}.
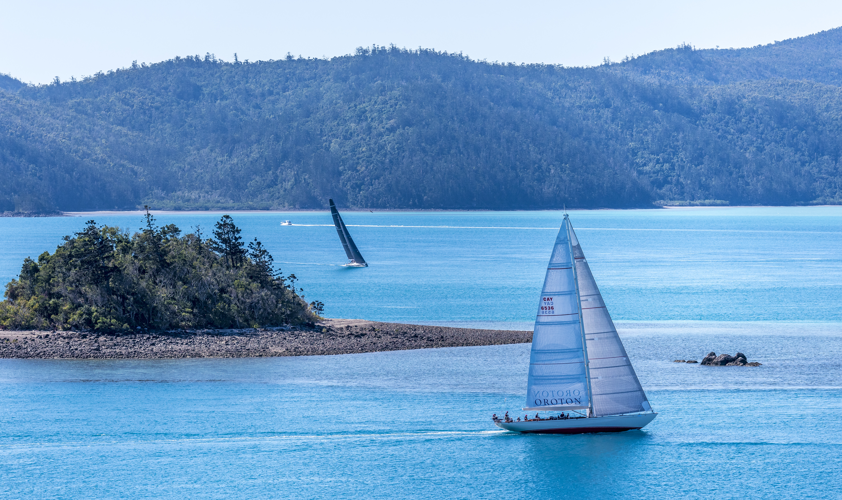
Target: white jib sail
{"points": [[614, 386], [557, 372]]}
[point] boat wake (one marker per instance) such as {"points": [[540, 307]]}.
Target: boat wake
{"points": [[401, 226], [529, 228], [280, 438]]}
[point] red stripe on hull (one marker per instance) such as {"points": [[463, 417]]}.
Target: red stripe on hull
{"points": [[581, 430]]}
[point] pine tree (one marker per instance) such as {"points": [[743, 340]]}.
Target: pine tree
{"points": [[227, 241]]}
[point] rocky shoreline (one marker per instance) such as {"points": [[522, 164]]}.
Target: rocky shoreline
{"points": [[332, 336]]}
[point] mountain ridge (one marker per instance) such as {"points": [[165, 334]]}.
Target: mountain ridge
{"points": [[392, 128]]}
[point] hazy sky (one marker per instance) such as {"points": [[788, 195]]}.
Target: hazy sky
{"points": [[41, 39]]}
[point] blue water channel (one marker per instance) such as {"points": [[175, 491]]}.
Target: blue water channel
{"points": [[679, 283]]}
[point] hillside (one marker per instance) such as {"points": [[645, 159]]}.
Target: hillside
{"points": [[390, 128], [814, 58]]}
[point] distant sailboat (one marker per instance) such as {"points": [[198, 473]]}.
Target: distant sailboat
{"points": [[354, 256], [578, 363]]}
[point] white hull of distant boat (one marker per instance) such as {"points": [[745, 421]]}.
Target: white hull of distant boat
{"points": [[582, 425], [286, 223], [354, 264]]}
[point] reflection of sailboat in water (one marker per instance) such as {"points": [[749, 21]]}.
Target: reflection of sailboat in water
{"points": [[347, 243], [578, 363]]}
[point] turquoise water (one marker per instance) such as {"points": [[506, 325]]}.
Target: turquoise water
{"points": [[764, 281], [730, 264]]}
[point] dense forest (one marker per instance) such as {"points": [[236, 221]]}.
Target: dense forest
{"points": [[105, 279], [394, 128]]}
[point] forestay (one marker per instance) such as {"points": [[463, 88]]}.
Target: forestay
{"points": [[614, 386], [557, 372]]}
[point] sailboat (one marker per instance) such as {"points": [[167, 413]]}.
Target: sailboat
{"points": [[354, 256], [578, 364]]}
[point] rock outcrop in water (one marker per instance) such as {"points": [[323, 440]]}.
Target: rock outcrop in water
{"points": [[727, 360]]}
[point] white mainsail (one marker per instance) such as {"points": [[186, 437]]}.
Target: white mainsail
{"points": [[572, 326], [614, 386], [557, 372], [578, 361]]}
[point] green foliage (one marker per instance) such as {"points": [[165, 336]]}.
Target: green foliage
{"points": [[9, 83], [228, 242], [104, 279], [392, 128]]}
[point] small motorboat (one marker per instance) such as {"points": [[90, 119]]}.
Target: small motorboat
{"points": [[286, 223]]}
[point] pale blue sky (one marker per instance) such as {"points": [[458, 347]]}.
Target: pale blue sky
{"points": [[40, 39]]}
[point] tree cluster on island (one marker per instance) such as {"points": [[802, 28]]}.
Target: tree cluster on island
{"points": [[105, 279], [395, 128]]}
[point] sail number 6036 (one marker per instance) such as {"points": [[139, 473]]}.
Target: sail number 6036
{"points": [[547, 306]]}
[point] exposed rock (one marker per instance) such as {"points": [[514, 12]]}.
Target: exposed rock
{"points": [[727, 360], [691, 361], [739, 360], [332, 336], [723, 360], [707, 360]]}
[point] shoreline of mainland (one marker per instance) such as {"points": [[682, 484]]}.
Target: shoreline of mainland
{"points": [[90, 213], [328, 337]]}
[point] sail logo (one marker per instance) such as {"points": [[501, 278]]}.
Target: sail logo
{"points": [[547, 306], [552, 398]]}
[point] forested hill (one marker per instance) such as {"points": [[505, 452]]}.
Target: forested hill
{"points": [[390, 128], [9, 83], [815, 58]]}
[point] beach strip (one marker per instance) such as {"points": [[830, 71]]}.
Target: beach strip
{"points": [[328, 337]]}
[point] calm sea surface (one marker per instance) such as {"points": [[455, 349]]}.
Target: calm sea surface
{"points": [[679, 283]]}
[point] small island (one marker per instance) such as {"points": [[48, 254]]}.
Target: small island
{"points": [[106, 280], [106, 294]]}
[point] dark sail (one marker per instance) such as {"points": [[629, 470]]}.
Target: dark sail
{"points": [[337, 221], [351, 250]]}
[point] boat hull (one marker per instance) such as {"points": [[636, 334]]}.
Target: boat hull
{"points": [[354, 264], [611, 423]]}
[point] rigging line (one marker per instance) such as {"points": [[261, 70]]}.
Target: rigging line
{"points": [[621, 392], [626, 365], [549, 364]]}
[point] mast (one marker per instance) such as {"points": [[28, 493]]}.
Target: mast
{"points": [[581, 318], [337, 221]]}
